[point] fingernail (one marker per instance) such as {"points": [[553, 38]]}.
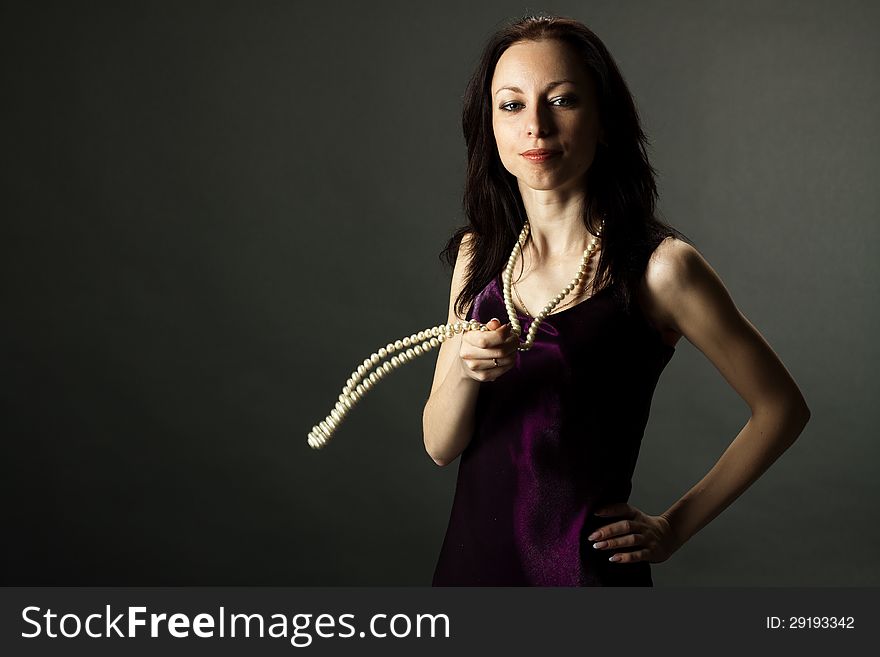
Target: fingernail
{"points": [[593, 536], [494, 319], [599, 545], [614, 558]]}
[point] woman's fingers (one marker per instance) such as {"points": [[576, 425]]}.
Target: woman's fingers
{"points": [[485, 369], [488, 354], [487, 345], [624, 541], [614, 529], [631, 557], [496, 362], [642, 537], [476, 364], [482, 359]]}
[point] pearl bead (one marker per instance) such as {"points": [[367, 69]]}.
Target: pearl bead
{"points": [[395, 362], [383, 352], [405, 342], [398, 345]]}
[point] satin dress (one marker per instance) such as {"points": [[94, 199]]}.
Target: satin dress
{"points": [[555, 437]]}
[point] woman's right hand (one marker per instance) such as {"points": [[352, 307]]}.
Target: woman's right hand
{"points": [[479, 348]]}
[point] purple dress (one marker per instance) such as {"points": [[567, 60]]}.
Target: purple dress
{"points": [[555, 437]]}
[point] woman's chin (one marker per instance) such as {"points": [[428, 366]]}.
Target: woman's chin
{"points": [[547, 183]]}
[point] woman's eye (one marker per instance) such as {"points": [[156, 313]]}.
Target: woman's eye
{"points": [[566, 101], [507, 106]]}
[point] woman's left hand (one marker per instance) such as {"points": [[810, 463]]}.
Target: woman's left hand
{"points": [[650, 537]]}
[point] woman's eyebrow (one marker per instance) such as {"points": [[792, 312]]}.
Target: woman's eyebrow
{"points": [[549, 86]]}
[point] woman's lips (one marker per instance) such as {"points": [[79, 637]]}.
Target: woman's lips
{"points": [[539, 155]]}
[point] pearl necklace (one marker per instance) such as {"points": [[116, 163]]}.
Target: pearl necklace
{"points": [[523, 303], [403, 350], [508, 277]]}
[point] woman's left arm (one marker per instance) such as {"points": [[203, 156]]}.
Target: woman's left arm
{"points": [[694, 302], [683, 292]]}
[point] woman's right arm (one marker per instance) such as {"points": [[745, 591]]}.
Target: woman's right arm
{"points": [[465, 361], [448, 418]]}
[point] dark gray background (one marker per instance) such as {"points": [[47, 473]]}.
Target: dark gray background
{"points": [[212, 212]]}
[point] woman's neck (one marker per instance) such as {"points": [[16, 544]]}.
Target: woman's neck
{"points": [[556, 227]]}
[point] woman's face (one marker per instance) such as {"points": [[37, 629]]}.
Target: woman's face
{"points": [[544, 98]]}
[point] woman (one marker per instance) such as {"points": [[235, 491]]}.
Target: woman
{"points": [[549, 436]]}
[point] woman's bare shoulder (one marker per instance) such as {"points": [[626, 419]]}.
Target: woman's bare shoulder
{"points": [[672, 263], [671, 269], [680, 285]]}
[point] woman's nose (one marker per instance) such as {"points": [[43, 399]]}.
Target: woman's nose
{"points": [[538, 121]]}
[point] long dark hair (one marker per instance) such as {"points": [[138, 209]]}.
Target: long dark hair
{"points": [[621, 180]]}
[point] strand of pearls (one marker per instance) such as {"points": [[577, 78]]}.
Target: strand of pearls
{"points": [[396, 353], [575, 283]]}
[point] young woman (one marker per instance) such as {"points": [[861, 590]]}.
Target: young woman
{"points": [[548, 420]]}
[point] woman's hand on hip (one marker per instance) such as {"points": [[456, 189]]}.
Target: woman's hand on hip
{"points": [[636, 536]]}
